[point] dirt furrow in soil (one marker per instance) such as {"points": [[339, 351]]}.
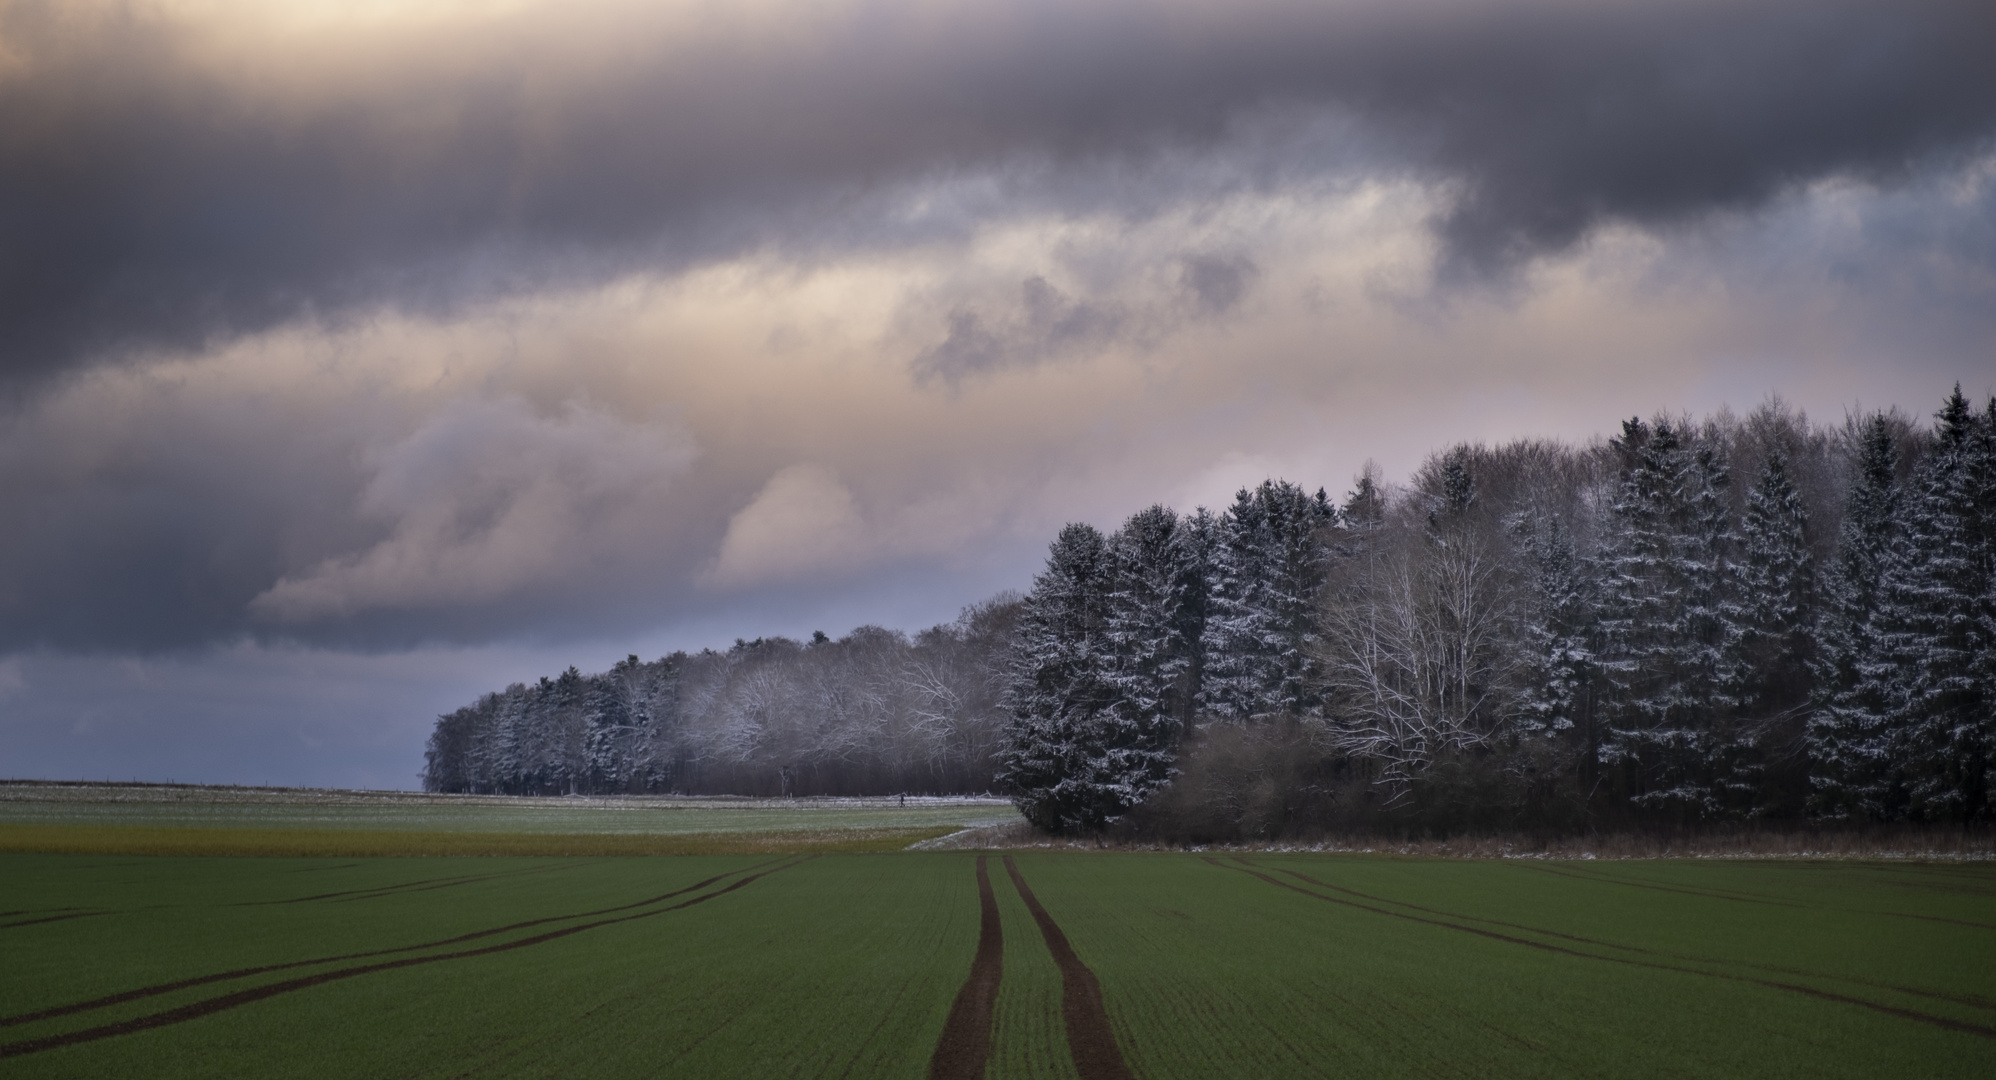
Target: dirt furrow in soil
{"points": [[966, 1041], [157, 989], [1090, 1039], [1826, 995]]}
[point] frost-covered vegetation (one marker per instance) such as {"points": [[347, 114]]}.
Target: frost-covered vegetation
{"points": [[870, 713], [1697, 620]]}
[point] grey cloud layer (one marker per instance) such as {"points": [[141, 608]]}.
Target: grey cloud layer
{"points": [[151, 198]]}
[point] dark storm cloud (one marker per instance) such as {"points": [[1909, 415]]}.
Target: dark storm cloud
{"points": [[1216, 283], [151, 199], [1047, 325]]}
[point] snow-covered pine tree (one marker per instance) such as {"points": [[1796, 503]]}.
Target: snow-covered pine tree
{"points": [[1148, 654], [1193, 543], [607, 743], [1770, 643], [1238, 616], [1935, 620], [1983, 668], [1558, 672], [655, 712], [1262, 616], [1364, 508], [1665, 591], [1053, 760], [1856, 694]]}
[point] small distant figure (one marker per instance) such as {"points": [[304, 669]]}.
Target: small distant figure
{"points": [[904, 798]]}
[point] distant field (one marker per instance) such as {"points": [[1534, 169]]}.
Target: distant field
{"points": [[1137, 964], [168, 820]]}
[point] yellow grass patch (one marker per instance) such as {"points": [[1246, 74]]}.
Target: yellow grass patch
{"points": [[119, 840]]}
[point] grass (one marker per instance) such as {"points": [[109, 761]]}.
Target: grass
{"points": [[787, 956], [1480, 968]]}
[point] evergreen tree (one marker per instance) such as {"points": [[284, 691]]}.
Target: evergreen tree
{"points": [[1559, 667], [1193, 544], [1771, 640], [1262, 618], [1365, 505], [1855, 691], [1935, 623], [1149, 654], [1666, 589], [1055, 759], [607, 746]]}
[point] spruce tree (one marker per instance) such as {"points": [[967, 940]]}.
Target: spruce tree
{"points": [[1558, 672], [1855, 694], [1055, 757], [1262, 623], [606, 747], [1193, 545], [1936, 626], [1666, 589], [1771, 640], [1148, 655]]}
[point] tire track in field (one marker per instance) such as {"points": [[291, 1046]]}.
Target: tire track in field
{"points": [[1969, 1001], [1826, 995], [1934, 918], [965, 1045], [1605, 879], [1745, 898], [157, 989], [424, 885], [53, 918], [1090, 1039], [258, 993]]}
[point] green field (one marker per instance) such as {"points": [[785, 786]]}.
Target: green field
{"points": [[851, 965]]}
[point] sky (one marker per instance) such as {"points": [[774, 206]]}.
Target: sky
{"points": [[357, 358]]}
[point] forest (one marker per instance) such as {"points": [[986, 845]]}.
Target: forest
{"points": [[1733, 618]]}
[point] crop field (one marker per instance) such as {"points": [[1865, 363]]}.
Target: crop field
{"points": [[1006, 965], [185, 820]]}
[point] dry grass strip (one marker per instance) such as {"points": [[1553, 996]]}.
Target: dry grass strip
{"points": [[349, 843]]}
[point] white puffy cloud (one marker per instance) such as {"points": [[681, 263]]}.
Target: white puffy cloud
{"points": [[804, 522]]}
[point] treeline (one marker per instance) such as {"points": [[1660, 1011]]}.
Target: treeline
{"points": [[1695, 621], [872, 712]]}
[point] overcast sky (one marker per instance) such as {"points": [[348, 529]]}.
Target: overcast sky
{"points": [[359, 357]]}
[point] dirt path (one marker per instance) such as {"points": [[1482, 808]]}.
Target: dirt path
{"points": [[1090, 1039], [258, 993], [1826, 995], [966, 1042]]}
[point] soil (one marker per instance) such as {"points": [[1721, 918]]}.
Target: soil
{"points": [[1090, 1039], [965, 1045]]}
